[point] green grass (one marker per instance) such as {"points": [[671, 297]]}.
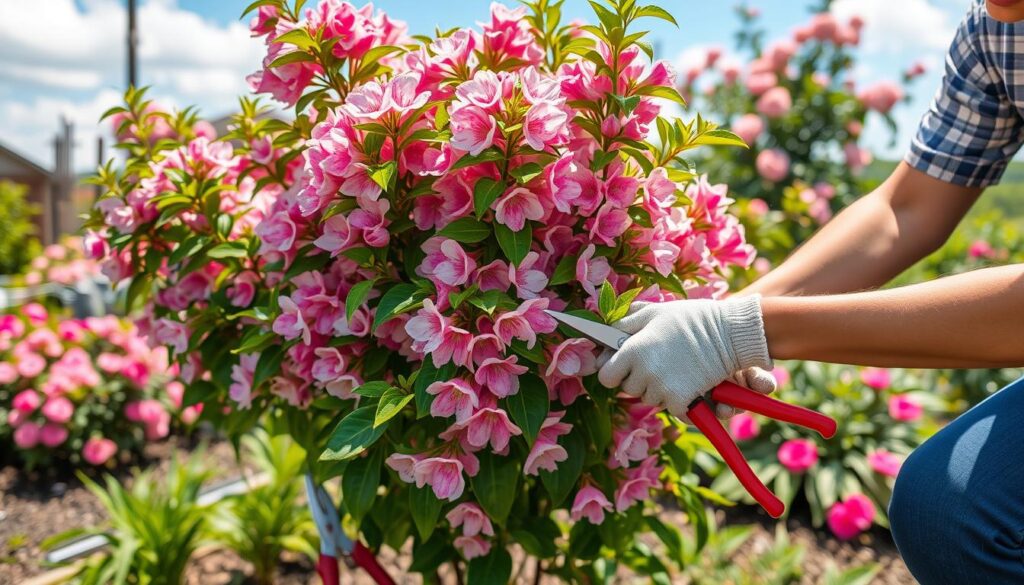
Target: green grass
{"points": [[1006, 197]]}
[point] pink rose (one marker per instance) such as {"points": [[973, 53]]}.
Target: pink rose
{"points": [[904, 408], [744, 427], [98, 451], [881, 96], [798, 455], [53, 435], [884, 462], [58, 409], [26, 401], [775, 102], [27, 435], [748, 127], [852, 516], [773, 164]]}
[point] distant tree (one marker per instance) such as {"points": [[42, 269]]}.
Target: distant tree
{"points": [[18, 243]]}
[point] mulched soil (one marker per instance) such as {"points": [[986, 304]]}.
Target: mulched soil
{"points": [[34, 507]]}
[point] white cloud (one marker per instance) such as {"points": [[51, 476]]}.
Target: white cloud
{"points": [[79, 57], [901, 26]]}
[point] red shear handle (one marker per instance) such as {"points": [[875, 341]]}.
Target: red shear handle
{"points": [[365, 559], [701, 416], [327, 568], [740, 397]]}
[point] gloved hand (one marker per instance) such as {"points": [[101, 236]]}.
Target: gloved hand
{"points": [[682, 349]]}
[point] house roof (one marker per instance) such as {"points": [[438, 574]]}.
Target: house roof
{"points": [[13, 164]]}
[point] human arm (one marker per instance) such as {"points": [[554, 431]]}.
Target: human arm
{"points": [[906, 218]]}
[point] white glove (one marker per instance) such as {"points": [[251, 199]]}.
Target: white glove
{"points": [[682, 349]]}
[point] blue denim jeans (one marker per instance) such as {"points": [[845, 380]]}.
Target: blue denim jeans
{"points": [[957, 511]]}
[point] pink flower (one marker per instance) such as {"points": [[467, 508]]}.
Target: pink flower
{"points": [[493, 276], [781, 376], [472, 128], [58, 409], [637, 485], [243, 289], [852, 516], [98, 450], [631, 444], [546, 124], [760, 82], [26, 401], [528, 281], [981, 249], [904, 408], [277, 233], [533, 311], [881, 97], [404, 465], [453, 397], [242, 374], [772, 164], [515, 207], [472, 547], [775, 103], [372, 222], [573, 357], [484, 90], [53, 435], [337, 235], [798, 455], [545, 454], [487, 425], [591, 272], [471, 518], [27, 435], [513, 325], [823, 26], [30, 364], [366, 101], [500, 376], [856, 157], [884, 462], [659, 190], [744, 427], [748, 127], [8, 373], [442, 474], [590, 503], [290, 323], [876, 378], [446, 262], [401, 95], [427, 328]]}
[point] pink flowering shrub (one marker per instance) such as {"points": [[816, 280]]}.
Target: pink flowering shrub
{"points": [[80, 390], [795, 101], [64, 263], [882, 414], [376, 271]]}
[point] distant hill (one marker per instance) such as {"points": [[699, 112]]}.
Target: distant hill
{"points": [[1007, 196]]}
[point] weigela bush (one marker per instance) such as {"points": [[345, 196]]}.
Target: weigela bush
{"points": [[85, 391], [796, 103], [375, 272], [63, 263]]}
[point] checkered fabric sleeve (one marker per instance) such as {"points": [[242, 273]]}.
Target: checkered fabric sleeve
{"points": [[972, 128]]}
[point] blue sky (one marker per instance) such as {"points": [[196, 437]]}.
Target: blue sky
{"points": [[198, 52]]}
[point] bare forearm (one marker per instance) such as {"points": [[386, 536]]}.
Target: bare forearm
{"points": [[874, 239], [967, 321]]}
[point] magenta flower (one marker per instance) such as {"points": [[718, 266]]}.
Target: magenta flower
{"points": [[851, 516], [517, 206], [884, 462], [798, 455], [487, 425], [500, 376], [453, 397], [98, 450], [904, 408], [446, 262], [546, 124], [876, 378], [472, 127], [26, 401], [513, 325], [53, 435], [528, 281], [337, 235], [290, 323], [744, 427], [26, 436], [590, 503], [58, 409]]}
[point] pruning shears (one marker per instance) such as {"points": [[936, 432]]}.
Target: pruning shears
{"points": [[335, 544], [702, 416]]}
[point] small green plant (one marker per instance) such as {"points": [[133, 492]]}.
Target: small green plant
{"points": [[18, 243], [155, 527], [268, 519]]}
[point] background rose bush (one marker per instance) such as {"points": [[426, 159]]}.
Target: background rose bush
{"points": [[87, 391], [373, 274]]}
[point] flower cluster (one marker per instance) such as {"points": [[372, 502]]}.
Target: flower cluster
{"points": [[847, 478], [64, 263], [381, 266], [81, 390]]}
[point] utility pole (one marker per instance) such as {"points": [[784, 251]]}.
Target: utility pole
{"points": [[133, 41]]}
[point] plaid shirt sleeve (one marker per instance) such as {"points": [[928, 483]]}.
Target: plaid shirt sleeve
{"points": [[972, 129]]}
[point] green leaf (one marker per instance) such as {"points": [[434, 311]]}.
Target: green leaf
{"points": [[628, 104], [359, 483], [515, 245], [529, 407], [606, 301], [392, 302], [425, 509], [298, 37], [374, 389], [561, 482], [357, 296], [565, 271], [228, 250], [663, 92], [496, 485], [719, 138], [457, 298], [492, 154], [391, 403], [198, 392], [526, 173], [622, 304], [493, 569], [353, 435], [268, 366], [485, 192], [292, 57], [384, 175], [657, 12], [466, 230], [489, 301]]}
